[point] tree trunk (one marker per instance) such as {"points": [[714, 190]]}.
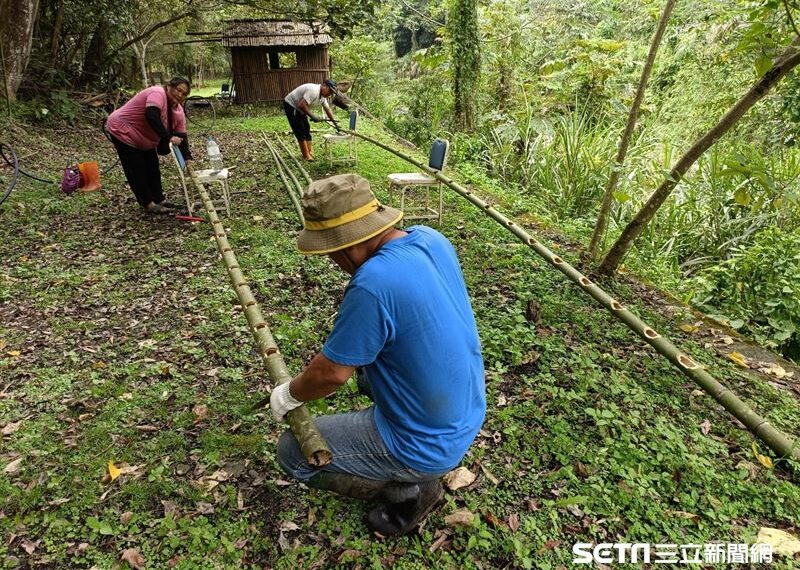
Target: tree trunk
{"points": [[92, 62], [785, 63], [465, 58], [16, 35], [633, 115], [140, 49], [55, 39]]}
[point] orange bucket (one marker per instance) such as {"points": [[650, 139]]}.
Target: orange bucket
{"points": [[90, 176]]}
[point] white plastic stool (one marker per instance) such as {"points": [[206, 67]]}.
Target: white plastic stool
{"points": [[206, 176]]}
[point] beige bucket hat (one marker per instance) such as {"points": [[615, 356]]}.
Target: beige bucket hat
{"points": [[341, 211]]}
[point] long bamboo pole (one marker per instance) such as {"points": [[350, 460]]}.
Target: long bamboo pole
{"points": [[296, 161], [313, 445], [774, 438], [291, 175], [295, 200]]}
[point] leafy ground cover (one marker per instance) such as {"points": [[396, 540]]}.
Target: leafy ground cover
{"points": [[121, 340]]}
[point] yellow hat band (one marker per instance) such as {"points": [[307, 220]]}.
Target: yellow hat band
{"points": [[356, 214]]}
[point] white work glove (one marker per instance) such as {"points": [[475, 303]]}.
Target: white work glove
{"points": [[282, 402]]}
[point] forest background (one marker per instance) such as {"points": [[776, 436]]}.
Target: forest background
{"points": [[534, 96]]}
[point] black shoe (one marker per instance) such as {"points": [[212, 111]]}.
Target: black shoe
{"points": [[170, 205], [395, 519]]}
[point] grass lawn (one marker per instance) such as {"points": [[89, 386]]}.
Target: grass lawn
{"points": [[121, 341]]}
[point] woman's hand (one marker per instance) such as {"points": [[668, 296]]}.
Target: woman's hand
{"points": [[176, 140]]}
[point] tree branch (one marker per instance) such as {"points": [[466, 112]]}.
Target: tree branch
{"points": [[152, 29]]}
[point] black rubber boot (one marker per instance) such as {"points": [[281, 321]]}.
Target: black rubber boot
{"points": [[401, 517], [363, 488]]}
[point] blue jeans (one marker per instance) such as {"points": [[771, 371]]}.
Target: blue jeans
{"points": [[357, 448]]}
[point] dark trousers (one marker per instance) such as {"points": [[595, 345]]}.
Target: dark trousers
{"points": [[141, 171], [298, 121]]}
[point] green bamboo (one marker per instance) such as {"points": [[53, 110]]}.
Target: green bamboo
{"points": [[296, 161], [312, 444], [281, 166], [297, 185], [774, 438]]}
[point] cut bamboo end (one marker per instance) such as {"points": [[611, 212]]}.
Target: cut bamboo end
{"points": [[687, 362], [320, 458], [509, 223], [650, 333], [532, 241], [557, 260], [585, 281], [617, 306], [260, 326], [271, 350]]}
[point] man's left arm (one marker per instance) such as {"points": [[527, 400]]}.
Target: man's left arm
{"points": [[320, 378]]}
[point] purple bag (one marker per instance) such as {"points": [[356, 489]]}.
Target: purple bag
{"points": [[71, 180]]}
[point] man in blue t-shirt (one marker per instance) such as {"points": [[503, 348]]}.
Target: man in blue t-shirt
{"points": [[407, 329]]}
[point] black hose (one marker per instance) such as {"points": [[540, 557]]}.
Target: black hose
{"points": [[15, 165]]}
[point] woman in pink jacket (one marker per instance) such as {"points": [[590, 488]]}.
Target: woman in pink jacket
{"points": [[141, 130]]}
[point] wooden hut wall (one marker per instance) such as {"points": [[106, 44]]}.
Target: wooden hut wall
{"points": [[255, 82]]}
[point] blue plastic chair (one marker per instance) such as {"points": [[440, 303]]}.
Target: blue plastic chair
{"points": [[418, 205]]}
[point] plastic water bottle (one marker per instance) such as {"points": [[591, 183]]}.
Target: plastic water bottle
{"points": [[214, 154]]}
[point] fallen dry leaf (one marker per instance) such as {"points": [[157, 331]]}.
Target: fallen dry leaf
{"points": [[10, 428], [762, 459], [350, 554], [126, 517], [133, 557], [13, 467], [489, 475], [684, 515], [200, 412], [113, 470], [705, 427], [289, 526], [29, 546], [13, 353], [461, 517], [513, 522], [783, 543], [458, 478], [686, 327], [739, 359]]}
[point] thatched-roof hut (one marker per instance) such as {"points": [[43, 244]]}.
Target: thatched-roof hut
{"points": [[271, 57]]}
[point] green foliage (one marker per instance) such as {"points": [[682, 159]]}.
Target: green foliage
{"points": [[465, 58], [366, 63], [757, 289]]}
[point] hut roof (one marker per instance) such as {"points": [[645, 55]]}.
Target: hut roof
{"points": [[278, 33]]}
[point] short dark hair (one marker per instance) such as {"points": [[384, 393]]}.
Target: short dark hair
{"points": [[177, 80]]}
